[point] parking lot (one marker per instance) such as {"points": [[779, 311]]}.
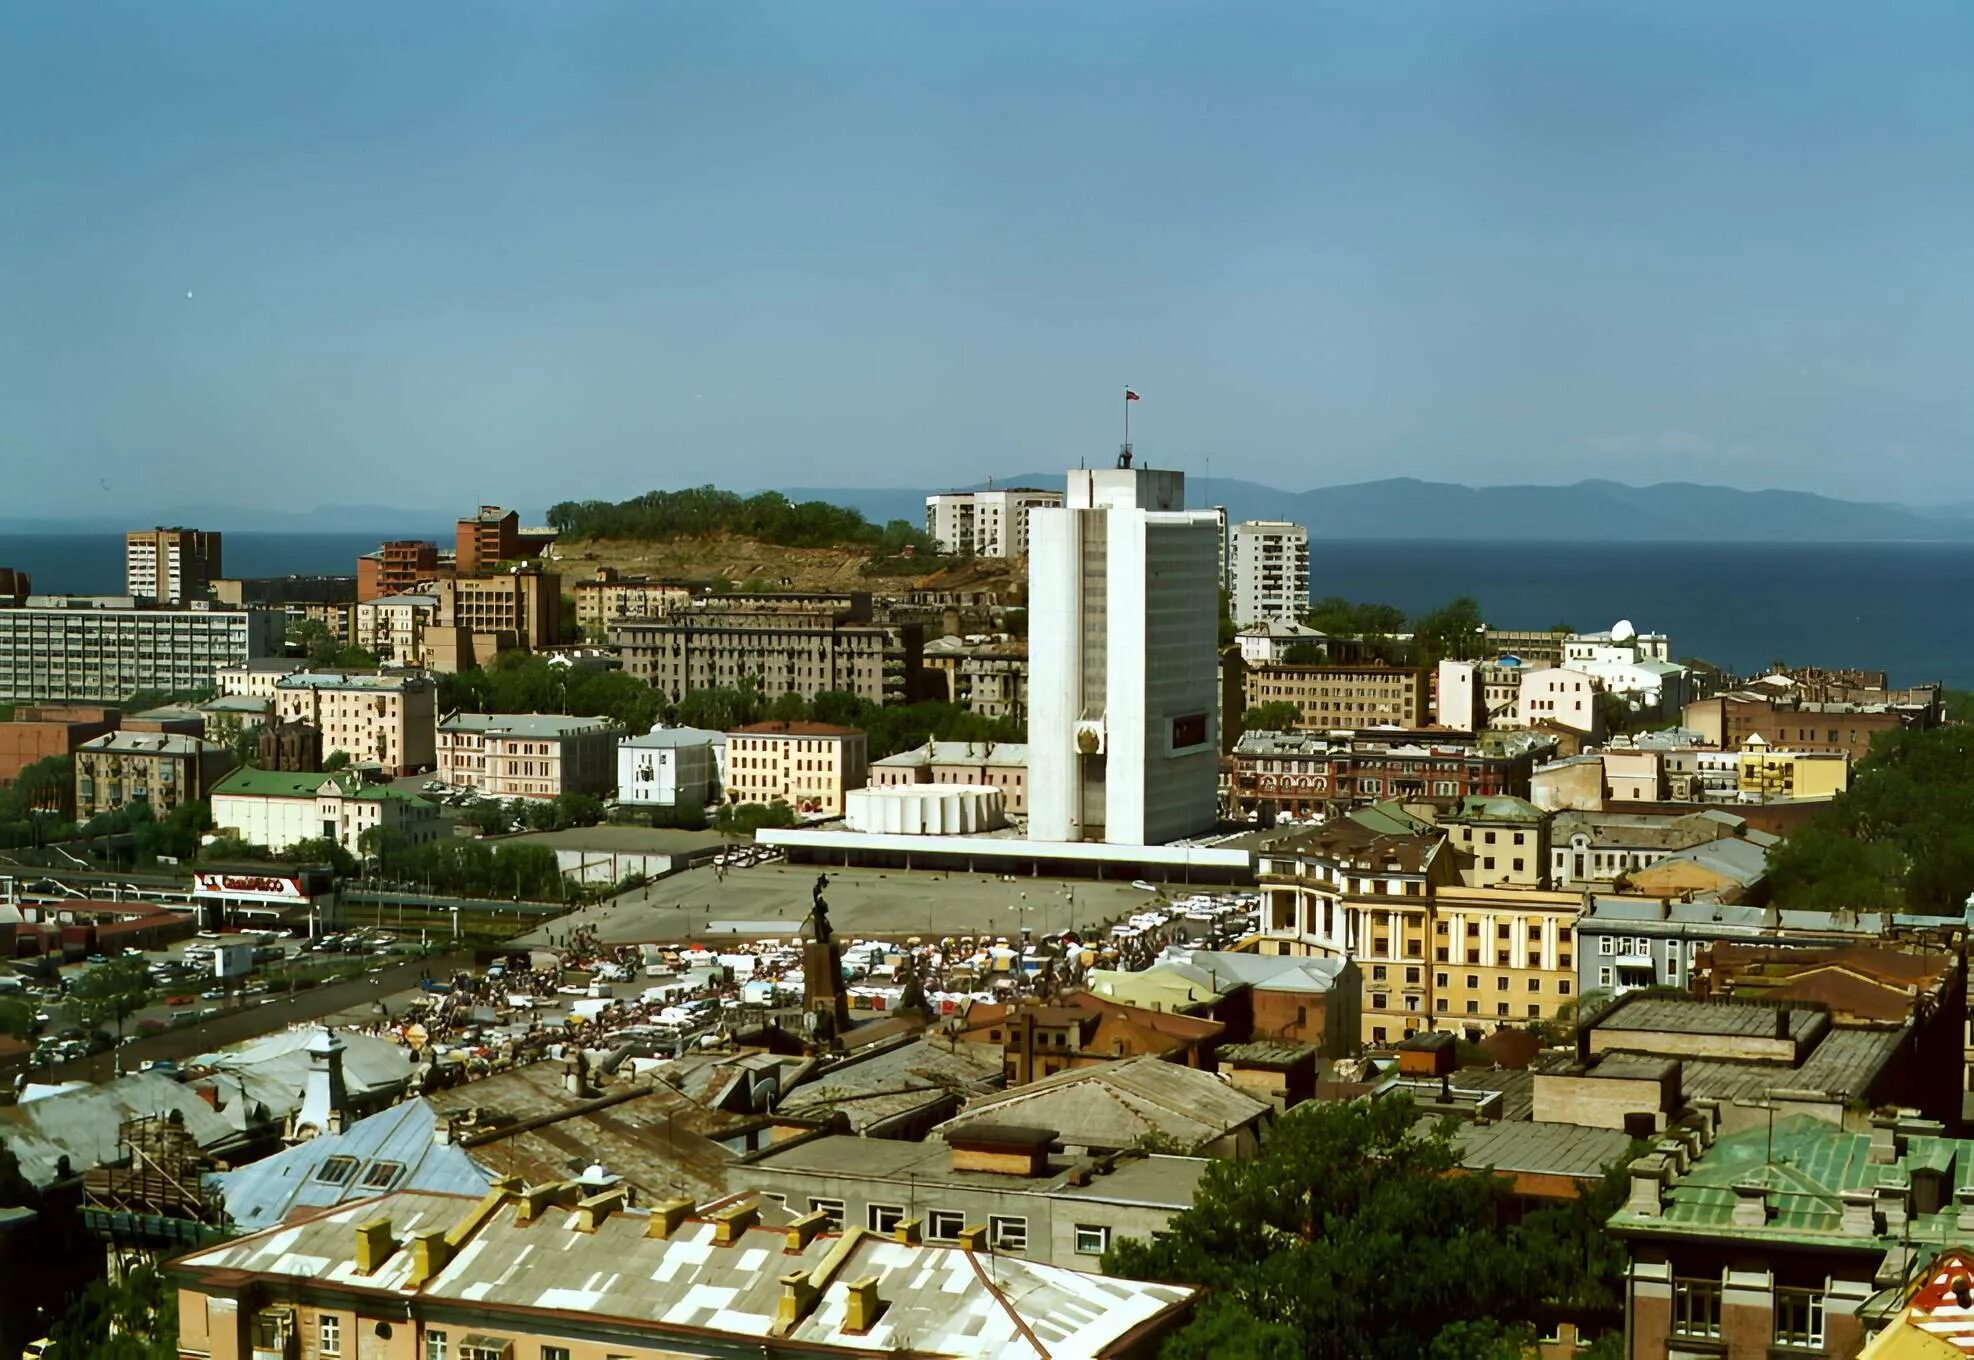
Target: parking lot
{"points": [[773, 899]]}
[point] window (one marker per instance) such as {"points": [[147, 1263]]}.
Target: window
{"points": [[882, 1218], [1092, 1240], [1606, 945], [381, 1175], [435, 1346], [832, 1207], [336, 1171], [944, 1225], [1379, 1001], [1439, 979], [554, 1353], [483, 1348], [1799, 1319], [1501, 984], [1007, 1233], [1563, 987], [1696, 1308], [1411, 976], [329, 1335], [1378, 972], [1603, 977], [1473, 1006]]}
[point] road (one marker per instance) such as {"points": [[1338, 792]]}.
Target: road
{"points": [[274, 1014]]}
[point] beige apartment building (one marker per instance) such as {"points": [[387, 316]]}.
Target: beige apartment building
{"points": [[808, 765], [164, 769], [1342, 697], [392, 627], [608, 598], [254, 679], [528, 755], [798, 644], [479, 616], [1435, 954], [170, 566], [388, 719], [999, 765]]}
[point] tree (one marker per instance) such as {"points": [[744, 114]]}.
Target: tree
{"points": [[334, 761], [790, 707], [320, 850], [1455, 630], [131, 1318], [16, 1018], [1277, 715], [1299, 1246], [111, 992]]}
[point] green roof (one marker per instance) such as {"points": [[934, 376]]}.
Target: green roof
{"points": [[1804, 1171], [251, 782], [1499, 808], [1389, 818]]}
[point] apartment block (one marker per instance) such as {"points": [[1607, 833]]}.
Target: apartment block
{"points": [[480, 616], [164, 769], [1764, 774], [1335, 698], [1269, 571], [984, 675], [608, 598], [1729, 720], [528, 755], [681, 767], [255, 679], [392, 627], [388, 719], [81, 649], [799, 644], [45, 731], [808, 765], [170, 566], [485, 539], [1311, 774], [399, 567], [991, 523]]}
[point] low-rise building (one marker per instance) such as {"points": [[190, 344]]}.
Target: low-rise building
{"points": [[164, 769], [992, 764], [277, 809], [1084, 1029], [1272, 640], [1563, 696], [1296, 1000], [392, 627], [255, 679], [608, 598], [1316, 775], [1034, 1202], [985, 675], [808, 765], [1502, 841], [229, 717], [49, 731], [462, 1278], [674, 767], [1728, 720], [1343, 697], [528, 755], [789, 644], [1593, 849], [1764, 774], [387, 719]]}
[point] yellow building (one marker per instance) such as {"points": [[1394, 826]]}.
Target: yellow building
{"points": [[808, 765], [388, 719], [608, 598], [1767, 774], [163, 769]]}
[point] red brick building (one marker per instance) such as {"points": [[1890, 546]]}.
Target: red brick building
{"points": [[40, 731], [1311, 773]]}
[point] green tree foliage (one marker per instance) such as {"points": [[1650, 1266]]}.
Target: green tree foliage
{"points": [[1335, 615], [334, 761], [132, 1318], [312, 638], [1901, 837], [703, 512], [1454, 630], [110, 992], [1299, 1246], [722, 710], [744, 819], [16, 1018], [472, 868], [39, 806], [518, 682], [1277, 715]]}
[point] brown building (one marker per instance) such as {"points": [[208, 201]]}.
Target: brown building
{"points": [[1332, 698], [479, 616], [164, 769], [15, 586], [799, 644], [171, 566], [293, 747], [39, 731], [1084, 1030], [1729, 720], [399, 567], [485, 539], [608, 598], [1318, 774]]}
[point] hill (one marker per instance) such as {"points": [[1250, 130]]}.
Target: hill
{"points": [[766, 566], [1588, 511]]}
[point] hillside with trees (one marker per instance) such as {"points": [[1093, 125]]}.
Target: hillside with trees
{"points": [[707, 512]]}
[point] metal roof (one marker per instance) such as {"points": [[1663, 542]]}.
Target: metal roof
{"points": [[81, 1124], [938, 1300], [1540, 1148], [895, 1081], [546, 726], [1117, 1103], [394, 1149]]}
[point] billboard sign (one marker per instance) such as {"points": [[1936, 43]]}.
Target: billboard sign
{"points": [[250, 887]]}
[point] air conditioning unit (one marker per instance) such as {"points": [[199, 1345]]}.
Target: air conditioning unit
{"points": [[1090, 737]]}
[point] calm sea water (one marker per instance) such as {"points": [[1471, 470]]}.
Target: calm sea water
{"points": [[1889, 606]]}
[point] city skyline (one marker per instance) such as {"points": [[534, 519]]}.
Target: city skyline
{"points": [[585, 251]]}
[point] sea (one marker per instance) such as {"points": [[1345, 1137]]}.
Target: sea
{"points": [[1882, 606]]}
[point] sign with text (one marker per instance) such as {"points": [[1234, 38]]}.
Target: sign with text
{"points": [[250, 887]]}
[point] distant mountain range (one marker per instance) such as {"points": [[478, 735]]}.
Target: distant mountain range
{"points": [[1588, 511], [1396, 508]]}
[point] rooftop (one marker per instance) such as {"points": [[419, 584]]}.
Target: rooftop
{"points": [[392, 680], [1692, 1015], [251, 782], [665, 738], [1118, 1103], [152, 743], [1011, 754], [546, 726], [1161, 1180], [796, 729]]}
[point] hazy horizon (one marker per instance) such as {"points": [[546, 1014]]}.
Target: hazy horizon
{"points": [[288, 256]]}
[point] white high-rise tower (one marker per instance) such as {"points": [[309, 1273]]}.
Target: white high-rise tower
{"points": [[1123, 617]]}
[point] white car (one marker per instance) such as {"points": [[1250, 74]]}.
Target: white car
{"points": [[1143, 886]]}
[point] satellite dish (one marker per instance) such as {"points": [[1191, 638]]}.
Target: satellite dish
{"points": [[1622, 631]]}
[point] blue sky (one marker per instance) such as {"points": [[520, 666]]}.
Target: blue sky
{"points": [[430, 254]]}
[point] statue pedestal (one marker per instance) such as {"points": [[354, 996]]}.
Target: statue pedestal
{"points": [[823, 993]]}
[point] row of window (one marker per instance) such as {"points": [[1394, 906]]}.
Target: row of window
{"points": [[1005, 1232], [1798, 1316]]}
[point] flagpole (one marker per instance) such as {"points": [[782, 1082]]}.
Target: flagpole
{"points": [[1127, 419]]}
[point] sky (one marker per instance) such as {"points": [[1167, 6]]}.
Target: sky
{"points": [[436, 254]]}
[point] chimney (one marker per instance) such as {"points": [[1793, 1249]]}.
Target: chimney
{"points": [[730, 1224], [1859, 1216], [591, 1212], [973, 1239], [667, 1217], [864, 1307], [1750, 1205], [798, 1300], [1707, 1109], [1675, 1153], [804, 1229], [374, 1244], [1963, 1199], [1884, 1148], [428, 1257], [537, 1200], [1893, 1203], [325, 1102], [1648, 1180], [908, 1232]]}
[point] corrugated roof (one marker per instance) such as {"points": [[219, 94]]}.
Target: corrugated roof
{"points": [[82, 1124], [1116, 1104], [1541, 1149], [940, 1300]]}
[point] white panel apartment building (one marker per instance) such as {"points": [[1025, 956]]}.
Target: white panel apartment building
{"points": [[1123, 694], [528, 755], [670, 767], [1269, 577], [386, 718], [89, 649], [985, 523]]}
